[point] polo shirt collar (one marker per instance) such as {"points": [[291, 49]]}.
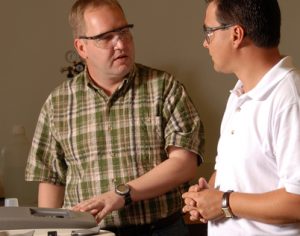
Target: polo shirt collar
{"points": [[268, 82]]}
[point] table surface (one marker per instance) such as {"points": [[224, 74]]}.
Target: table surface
{"points": [[44, 232]]}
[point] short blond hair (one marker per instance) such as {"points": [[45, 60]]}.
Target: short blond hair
{"points": [[76, 16]]}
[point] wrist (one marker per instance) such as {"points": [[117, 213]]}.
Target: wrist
{"points": [[226, 209], [124, 190]]}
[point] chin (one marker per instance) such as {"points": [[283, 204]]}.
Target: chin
{"points": [[220, 69], [124, 70], [216, 68]]}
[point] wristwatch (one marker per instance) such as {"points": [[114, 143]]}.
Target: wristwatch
{"points": [[124, 191], [225, 205]]}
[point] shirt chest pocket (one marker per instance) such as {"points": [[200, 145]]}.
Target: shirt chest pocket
{"points": [[144, 132]]}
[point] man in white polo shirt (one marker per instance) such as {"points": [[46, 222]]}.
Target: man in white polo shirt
{"points": [[255, 189]]}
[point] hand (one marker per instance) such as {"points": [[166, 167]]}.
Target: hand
{"points": [[203, 203], [191, 204], [101, 205]]}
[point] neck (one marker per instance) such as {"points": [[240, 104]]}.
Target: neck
{"points": [[254, 63], [108, 84]]}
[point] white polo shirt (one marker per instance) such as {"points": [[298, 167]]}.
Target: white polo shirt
{"points": [[259, 145]]}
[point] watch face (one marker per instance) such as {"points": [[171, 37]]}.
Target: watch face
{"points": [[122, 189]]}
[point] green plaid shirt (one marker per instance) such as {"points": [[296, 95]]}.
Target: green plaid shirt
{"points": [[89, 142]]}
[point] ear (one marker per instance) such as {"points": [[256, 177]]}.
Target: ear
{"points": [[80, 48], [238, 35]]}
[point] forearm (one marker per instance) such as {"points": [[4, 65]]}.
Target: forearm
{"points": [[277, 207], [179, 168], [50, 195]]}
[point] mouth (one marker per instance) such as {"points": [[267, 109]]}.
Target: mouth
{"points": [[120, 57]]}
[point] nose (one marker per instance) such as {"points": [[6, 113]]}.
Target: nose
{"points": [[118, 41], [205, 44]]}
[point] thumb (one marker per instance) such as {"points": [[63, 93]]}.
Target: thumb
{"points": [[101, 214], [202, 183]]}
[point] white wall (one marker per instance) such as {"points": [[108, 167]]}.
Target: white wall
{"points": [[168, 35]]}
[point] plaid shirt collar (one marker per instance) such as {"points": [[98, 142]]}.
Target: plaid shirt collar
{"points": [[127, 81]]}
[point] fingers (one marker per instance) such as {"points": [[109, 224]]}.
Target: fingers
{"points": [[202, 184], [196, 216], [97, 209], [189, 201], [84, 206], [194, 188], [102, 214], [187, 208], [94, 212], [92, 205], [191, 195]]}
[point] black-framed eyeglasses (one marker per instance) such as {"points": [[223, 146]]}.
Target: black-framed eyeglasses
{"points": [[209, 31], [110, 38]]}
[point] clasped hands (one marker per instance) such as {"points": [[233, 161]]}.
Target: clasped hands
{"points": [[202, 202]]}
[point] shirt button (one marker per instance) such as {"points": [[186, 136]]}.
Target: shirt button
{"points": [[112, 155], [108, 128], [238, 109], [232, 132]]}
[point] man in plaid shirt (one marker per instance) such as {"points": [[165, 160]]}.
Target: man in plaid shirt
{"points": [[120, 140]]}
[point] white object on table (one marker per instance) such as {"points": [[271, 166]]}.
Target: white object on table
{"points": [[11, 202]]}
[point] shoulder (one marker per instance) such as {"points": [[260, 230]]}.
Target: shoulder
{"points": [[155, 77], [66, 90], [288, 90], [152, 73], [69, 86]]}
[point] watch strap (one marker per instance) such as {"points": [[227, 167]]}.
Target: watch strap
{"points": [[225, 204], [127, 199]]}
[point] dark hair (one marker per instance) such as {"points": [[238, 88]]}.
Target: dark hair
{"points": [[261, 19], [76, 16]]}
